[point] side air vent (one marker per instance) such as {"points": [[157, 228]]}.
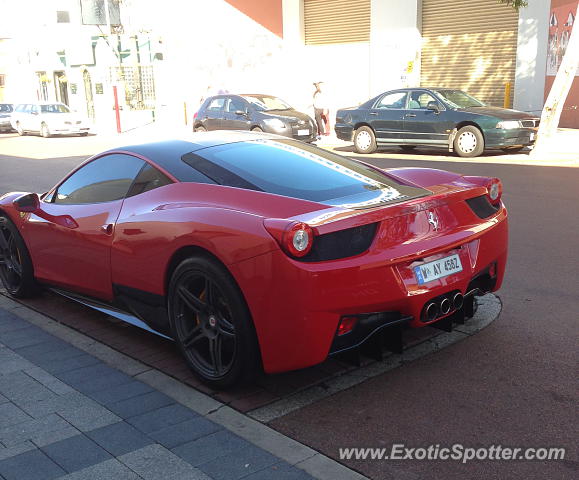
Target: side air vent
{"points": [[341, 244], [482, 207]]}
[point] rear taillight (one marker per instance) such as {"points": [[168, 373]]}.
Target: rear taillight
{"points": [[346, 325], [494, 190], [295, 238], [195, 115]]}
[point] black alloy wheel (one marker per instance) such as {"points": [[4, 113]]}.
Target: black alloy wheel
{"points": [[16, 270], [210, 322]]}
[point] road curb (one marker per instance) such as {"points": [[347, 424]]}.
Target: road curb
{"points": [[293, 452]]}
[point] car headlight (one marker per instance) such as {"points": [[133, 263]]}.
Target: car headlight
{"points": [[275, 123], [508, 124]]}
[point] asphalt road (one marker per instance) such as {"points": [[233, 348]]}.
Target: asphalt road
{"points": [[514, 384]]}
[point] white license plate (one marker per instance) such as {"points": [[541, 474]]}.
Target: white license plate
{"points": [[532, 137], [439, 268], [303, 132]]}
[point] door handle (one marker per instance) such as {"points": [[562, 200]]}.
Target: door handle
{"points": [[409, 115], [373, 113], [107, 228]]}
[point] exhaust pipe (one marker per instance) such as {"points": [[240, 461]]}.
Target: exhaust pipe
{"points": [[457, 301], [445, 306], [431, 311]]}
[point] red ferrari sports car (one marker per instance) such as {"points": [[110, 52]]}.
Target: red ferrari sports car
{"points": [[253, 250]]}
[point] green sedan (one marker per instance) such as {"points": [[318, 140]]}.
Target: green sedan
{"points": [[443, 117]]}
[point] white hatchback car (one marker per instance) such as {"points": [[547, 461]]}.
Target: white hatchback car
{"points": [[48, 119]]}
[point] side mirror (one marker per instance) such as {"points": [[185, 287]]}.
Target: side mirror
{"points": [[27, 203], [240, 112], [433, 106]]}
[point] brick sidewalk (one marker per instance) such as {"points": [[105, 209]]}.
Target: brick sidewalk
{"points": [[66, 414]]}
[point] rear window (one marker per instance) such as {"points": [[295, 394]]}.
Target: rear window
{"points": [[292, 169]]}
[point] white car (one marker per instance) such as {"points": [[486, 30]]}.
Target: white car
{"points": [[48, 119]]}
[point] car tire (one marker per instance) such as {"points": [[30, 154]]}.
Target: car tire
{"points": [[512, 149], [16, 270], [257, 129], [19, 130], [44, 131], [200, 128], [211, 323], [469, 142], [407, 148], [365, 140]]}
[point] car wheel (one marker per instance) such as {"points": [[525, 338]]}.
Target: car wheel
{"points": [[364, 140], [469, 142], [16, 271], [211, 323], [200, 128], [44, 130], [19, 129], [407, 148], [257, 129], [512, 149]]}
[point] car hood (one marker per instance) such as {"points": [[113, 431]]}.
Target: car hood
{"points": [[286, 114], [501, 113]]}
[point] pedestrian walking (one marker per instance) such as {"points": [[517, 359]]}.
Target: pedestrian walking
{"points": [[321, 110]]}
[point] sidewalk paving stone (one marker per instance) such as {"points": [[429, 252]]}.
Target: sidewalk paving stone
{"points": [[161, 418], [10, 414], [239, 463], [66, 365], [110, 469], [76, 453], [210, 447], [120, 392], [120, 438], [89, 417], [155, 462], [32, 430], [184, 432], [32, 465], [140, 404]]}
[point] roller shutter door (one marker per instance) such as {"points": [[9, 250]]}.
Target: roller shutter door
{"points": [[336, 21], [470, 45]]}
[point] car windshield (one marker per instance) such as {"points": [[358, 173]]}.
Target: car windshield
{"points": [[6, 108], [265, 102], [54, 108], [299, 171], [459, 99]]}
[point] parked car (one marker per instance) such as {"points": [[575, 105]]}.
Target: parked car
{"points": [[256, 250], [48, 119], [255, 112], [443, 117], [6, 110]]}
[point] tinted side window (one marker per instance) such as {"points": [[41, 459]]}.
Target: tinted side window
{"points": [[393, 100], [103, 180], [20, 108], [421, 100], [148, 179], [235, 104], [216, 105]]}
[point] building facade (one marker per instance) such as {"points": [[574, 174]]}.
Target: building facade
{"points": [[164, 60]]}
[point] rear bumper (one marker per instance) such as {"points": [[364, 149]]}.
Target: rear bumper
{"points": [[297, 310], [344, 132]]}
